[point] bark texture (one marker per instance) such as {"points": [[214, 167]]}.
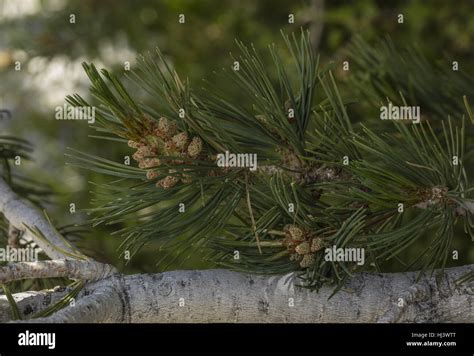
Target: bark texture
{"points": [[88, 270], [22, 214], [30, 303], [228, 297]]}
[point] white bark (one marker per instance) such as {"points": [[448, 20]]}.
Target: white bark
{"points": [[21, 213], [88, 270], [30, 303], [229, 297]]}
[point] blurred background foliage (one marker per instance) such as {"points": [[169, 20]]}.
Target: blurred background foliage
{"points": [[38, 34]]}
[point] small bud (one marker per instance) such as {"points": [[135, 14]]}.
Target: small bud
{"points": [[169, 146], [143, 164], [195, 147], [151, 174], [166, 129], [133, 144], [146, 151], [317, 244], [149, 163], [296, 233], [307, 261], [303, 248], [137, 156], [167, 182], [180, 140]]}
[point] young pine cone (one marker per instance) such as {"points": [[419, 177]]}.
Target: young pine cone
{"points": [[180, 140], [166, 129], [195, 147], [317, 244], [151, 174], [167, 182], [307, 261], [133, 144], [303, 248], [148, 163], [142, 152], [169, 147], [296, 233]]}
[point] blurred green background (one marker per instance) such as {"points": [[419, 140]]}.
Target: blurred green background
{"points": [[38, 34]]}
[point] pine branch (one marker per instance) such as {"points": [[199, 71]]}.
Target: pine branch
{"points": [[336, 182], [21, 214]]}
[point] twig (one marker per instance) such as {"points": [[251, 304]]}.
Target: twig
{"points": [[87, 270]]}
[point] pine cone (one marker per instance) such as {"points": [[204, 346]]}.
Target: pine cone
{"points": [[133, 144], [137, 156], [296, 233], [142, 152], [303, 248], [167, 182], [317, 244], [180, 140], [166, 129], [151, 174], [148, 163], [195, 147], [169, 146], [307, 261]]}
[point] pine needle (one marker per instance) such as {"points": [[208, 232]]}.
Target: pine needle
{"points": [[249, 204]]}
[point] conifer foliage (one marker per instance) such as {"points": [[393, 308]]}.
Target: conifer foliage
{"points": [[325, 180]]}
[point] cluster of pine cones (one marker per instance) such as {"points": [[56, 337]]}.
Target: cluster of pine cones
{"points": [[163, 139], [302, 244]]}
